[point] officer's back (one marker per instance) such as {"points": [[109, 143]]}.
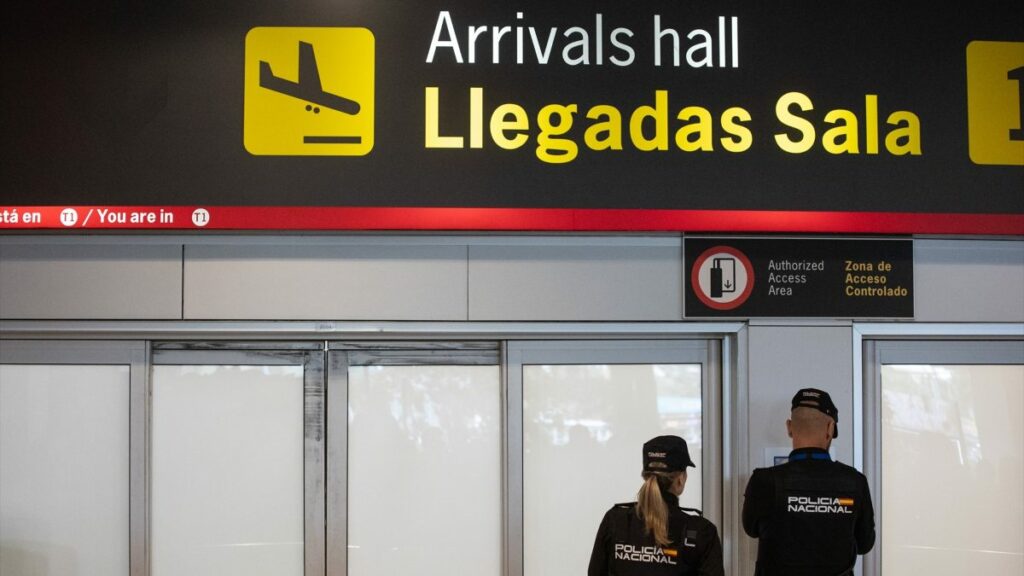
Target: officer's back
{"points": [[654, 536], [812, 516]]}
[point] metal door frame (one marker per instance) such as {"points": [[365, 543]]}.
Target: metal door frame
{"points": [[877, 345], [344, 354], [309, 355], [134, 354], [708, 352]]}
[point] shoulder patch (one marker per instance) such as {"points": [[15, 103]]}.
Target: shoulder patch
{"points": [[625, 505], [692, 511]]}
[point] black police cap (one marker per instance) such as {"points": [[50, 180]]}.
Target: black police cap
{"points": [[819, 400], [666, 454]]}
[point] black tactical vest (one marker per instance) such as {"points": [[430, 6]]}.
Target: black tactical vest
{"points": [[815, 510]]}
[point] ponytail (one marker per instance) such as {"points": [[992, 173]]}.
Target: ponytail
{"points": [[650, 505]]}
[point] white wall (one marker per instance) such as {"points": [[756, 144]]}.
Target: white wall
{"points": [[430, 277], [425, 278], [969, 280], [104, 278], [310, 280], [576, 279]]}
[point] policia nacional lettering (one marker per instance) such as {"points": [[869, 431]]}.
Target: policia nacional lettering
{"points": [[819, 505], [652, 554]]}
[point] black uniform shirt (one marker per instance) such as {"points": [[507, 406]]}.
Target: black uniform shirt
{"points": [[812, 516], [623, 548]]}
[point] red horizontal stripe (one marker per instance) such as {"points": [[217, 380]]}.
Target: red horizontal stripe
{"points": [[517, 220]]}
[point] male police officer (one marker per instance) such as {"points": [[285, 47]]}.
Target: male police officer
{"points": [[812, 515]]}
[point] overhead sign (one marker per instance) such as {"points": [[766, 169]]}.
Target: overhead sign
{"points": [[764, 277], [676, 110]]}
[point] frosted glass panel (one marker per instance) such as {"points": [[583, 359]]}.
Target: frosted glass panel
{"points": [[64, 499], [952, 470], [583, 427], [424, 471], [227, 471]]}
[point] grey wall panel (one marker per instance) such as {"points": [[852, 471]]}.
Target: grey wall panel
{"points": [[306, 281], [633, 280], [969, 280], [89, 281], [784, 359]]}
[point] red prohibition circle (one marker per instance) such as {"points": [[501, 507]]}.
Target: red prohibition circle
{"points": [[695, 278]]}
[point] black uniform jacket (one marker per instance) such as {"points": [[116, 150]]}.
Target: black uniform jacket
{"points": [[622, 548], [812, 516]]}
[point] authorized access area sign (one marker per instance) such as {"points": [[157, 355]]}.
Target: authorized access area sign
{"points": [[745, 277]]}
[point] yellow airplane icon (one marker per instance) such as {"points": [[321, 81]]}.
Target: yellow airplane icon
{"points": [[333, 72]]}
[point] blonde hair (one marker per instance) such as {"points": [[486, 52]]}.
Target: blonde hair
{"points": [[650, 505]]}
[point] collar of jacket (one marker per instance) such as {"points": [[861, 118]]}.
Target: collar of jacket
{"points": [[809, 454]]}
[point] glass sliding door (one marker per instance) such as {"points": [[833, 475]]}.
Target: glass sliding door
{"points": [[350, 459], [587, 408], [67, 479], [416, 475], [949, 457], [237, 464]]}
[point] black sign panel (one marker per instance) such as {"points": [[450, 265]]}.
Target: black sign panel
{"points": [[740, 105], [799, 278]]}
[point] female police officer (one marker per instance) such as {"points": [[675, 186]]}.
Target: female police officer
{"points": [[654, 536]]}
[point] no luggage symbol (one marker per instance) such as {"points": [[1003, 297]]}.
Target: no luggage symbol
{"points": [[722, 278]]}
